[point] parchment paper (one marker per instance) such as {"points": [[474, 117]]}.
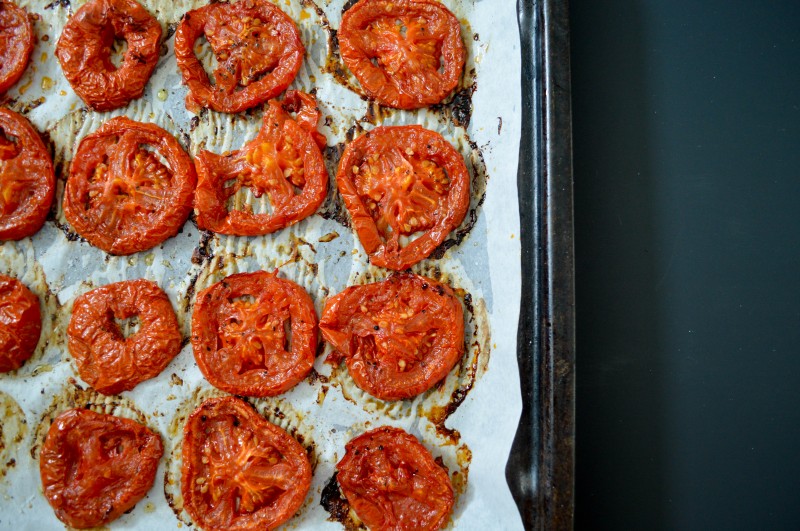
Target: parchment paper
{"points": [[469, 420]]}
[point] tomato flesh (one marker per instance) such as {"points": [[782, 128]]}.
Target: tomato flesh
{"points": [[17, 40], [130, 187], [399, 182], [398, 337], [95, 467], [239, 470], [283, 161], [393, 483], [405, 53], [20, 323], [254, 334]]}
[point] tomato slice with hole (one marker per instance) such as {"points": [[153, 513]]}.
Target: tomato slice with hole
{"points": [[281, 171], [85, 45], [27, 181], [392, 482], [406, 188], [240, 472], [17, 40], [398, 337], [130, 187], [20, 323], [257, 50], [405, 53], [110, 360], [254, 334], [94, 467]]}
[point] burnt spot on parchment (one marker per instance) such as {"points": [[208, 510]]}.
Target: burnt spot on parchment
{"points": [[73, 396], [337, 506]]}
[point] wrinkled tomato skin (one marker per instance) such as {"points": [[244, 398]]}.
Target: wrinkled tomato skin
{"points": [[393, 483], [398, 337], [17, 40], [408, 170], [250, 38], [108, 361], [27, 180], [284, 149], [240, 472], [119, 196], [94, 467], [20, 323], [241, 346], [396, 49], [84, 51]]}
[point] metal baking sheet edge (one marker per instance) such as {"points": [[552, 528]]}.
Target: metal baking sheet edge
{"points": [[540, 470]]}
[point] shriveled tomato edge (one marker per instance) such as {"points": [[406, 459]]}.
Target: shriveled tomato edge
{"points": [[391, 437], [150, 457], [84, 353], [34, 150], [204, 334], [240, 223], [364, 225], [190, 447], [388, 92], [331, 321], [196, 78], [126, 83], [21, 62], [171, 219], [26, 345]]}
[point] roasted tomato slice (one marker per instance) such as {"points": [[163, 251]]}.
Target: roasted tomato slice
{"points": [[20, 323], [106, 359], [405, 53], [393, 483], [283, 162], [27, 180], [398, 337], [84, 51], [17, 39], [240, 472], [94, 467], [257, 48], [254, 334], [130, 187], [400, 183]]}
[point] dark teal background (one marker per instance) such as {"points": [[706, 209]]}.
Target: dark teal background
{"points": [[686, 118]]}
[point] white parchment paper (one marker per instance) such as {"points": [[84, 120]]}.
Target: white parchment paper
{"points": [[469, 420]]}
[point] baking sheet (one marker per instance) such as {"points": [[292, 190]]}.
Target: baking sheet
{"points": [[469, 420]]}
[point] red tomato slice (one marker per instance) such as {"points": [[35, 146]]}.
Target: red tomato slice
{"points": [[84, 51], [94, 467], [20, 323], [405, 53], [283, 161], [240, 472], [17, 39], [398, 337], [27, 181], [110, 362], [257, 47], [401, 181], [130, 187], [254, 334], [393, 483]]}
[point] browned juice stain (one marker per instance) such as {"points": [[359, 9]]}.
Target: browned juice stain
{"points": [[13, 430]]}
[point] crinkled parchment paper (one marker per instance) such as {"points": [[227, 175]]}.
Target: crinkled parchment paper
{"points": [[469, 420]]}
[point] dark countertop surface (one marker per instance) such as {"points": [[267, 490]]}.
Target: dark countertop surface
{"points": [[686, 119]]}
